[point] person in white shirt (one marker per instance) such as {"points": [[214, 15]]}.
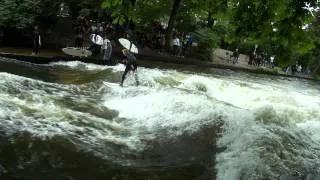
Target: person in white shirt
{"points": [[176, 46], [272, 62], [299, 69]]}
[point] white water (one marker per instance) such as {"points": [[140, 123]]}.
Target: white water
{"points": [[270, 127]]}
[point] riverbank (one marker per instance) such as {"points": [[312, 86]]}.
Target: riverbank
{"points": [[146, 59]]}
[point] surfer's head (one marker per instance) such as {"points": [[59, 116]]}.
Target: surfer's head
{"points": [[125, 51]]}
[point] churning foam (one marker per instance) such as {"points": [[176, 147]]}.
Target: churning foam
{"points": [[263, 124]]}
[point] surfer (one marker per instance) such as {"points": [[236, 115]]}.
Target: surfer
{"points": [[131, 65]]}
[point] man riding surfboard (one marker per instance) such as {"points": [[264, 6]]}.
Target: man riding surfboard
{"points": [[131, 65]]}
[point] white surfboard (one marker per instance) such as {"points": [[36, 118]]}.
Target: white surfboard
{"points": [[111, 84], [114, 85], [96, 39], [128, 45], [79, 52]]}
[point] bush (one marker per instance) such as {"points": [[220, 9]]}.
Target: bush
{"points": [[207, 41], [267, 71]]}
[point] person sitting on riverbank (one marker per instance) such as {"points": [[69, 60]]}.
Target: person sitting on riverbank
{"points": [[131, 65], [36, 40]]}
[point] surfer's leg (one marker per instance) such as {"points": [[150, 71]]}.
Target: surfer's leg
{"points": [[124, 74], [136, 74], [136, 78]]}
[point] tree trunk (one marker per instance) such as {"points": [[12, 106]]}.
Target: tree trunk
{"points": [[175, 8], [210, 20], [317, 69]]}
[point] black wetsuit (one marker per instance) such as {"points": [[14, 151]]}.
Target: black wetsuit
{"points": [[36, 42], [131, 65]]}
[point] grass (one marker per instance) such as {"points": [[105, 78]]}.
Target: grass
{"points": [[264, 70]]}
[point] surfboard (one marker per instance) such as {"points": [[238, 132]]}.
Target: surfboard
{"points": [[96, 39], [128, 45], [74, 51], [113, 85]]}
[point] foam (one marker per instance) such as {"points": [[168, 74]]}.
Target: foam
{"points": [[262, 118]]}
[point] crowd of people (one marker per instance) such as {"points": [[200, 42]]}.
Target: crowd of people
{"points": [[153, 39], [295, 69], [260, 59]]}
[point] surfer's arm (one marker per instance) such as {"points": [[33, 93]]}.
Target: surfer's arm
{"points": [[125, 61]]}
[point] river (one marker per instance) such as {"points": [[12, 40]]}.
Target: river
{"points": [[61, 121]]}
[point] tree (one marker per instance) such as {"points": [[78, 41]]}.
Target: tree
{"points": [[123, 11], [275, 24], [174, 11], [21, 14]]}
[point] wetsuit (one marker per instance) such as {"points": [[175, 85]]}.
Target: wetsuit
{"points": [[131, 65], [36, 42]]}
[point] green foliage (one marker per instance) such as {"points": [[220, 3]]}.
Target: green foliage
{"points": [[147, 11], [275, 25], [20, 15], [122, 10], [267, 71], [207, 41], [23, 13]]}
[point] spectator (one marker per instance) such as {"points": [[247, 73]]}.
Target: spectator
{"points": [[176, 46], [36, 40], [80, 30], [272, 63], [235, 56], [101, 30], [107, 51]]}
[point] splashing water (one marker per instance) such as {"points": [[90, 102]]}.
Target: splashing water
{"points": [[229, 126]]}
